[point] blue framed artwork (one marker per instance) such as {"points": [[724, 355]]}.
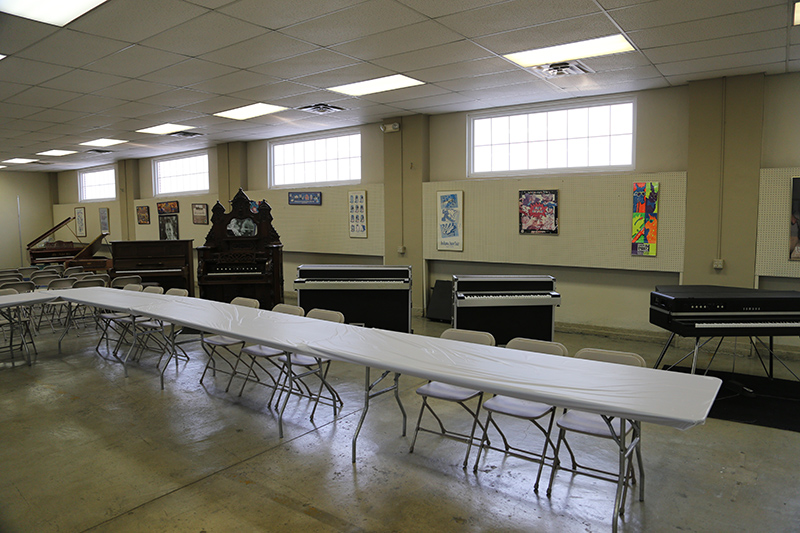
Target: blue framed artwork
{"points": [[305, 198]]}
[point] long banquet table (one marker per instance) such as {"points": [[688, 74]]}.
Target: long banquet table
{"points": [[631, 393]]}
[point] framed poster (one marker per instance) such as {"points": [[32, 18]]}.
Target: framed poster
{"points": [[450, 235], [168, 227], [645, 219], [142, 214], [199, 213], [80, 222], [305, 198], [357, 206], [165, 208], [538, 212], [104, 220]]}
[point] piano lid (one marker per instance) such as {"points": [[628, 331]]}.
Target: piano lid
{"points": [[49, 232], [92, 248]]}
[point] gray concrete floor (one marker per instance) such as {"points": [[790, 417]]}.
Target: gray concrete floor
{"points": [[83, 448]]}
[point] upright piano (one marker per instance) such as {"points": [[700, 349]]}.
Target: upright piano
{"points": [[56, 251], [375, 296], [88, 258], [242, 254], [506, 306], [166, 263], [716, 311]]}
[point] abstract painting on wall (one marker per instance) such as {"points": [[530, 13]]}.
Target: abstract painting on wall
{"points": [[450, 234], [538, 212], [645, 218]]}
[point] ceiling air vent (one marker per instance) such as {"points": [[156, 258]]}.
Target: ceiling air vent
{"points": [[42, 163], [97, 151], [321, 109], [185, 134], [560, 70]]}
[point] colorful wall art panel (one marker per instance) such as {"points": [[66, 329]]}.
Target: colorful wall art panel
{"points": [[645, 218]]}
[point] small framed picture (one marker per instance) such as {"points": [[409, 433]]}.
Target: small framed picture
{"points": [[80, 222], [165, 208], [199, 213], [305, 198], [357, 213], [168, 227], [143, 214], [104, 220]]}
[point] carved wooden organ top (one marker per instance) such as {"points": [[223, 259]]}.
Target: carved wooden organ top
{"points": [[242, 255]]}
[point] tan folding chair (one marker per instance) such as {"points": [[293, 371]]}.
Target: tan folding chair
{"points": [[121, 281], [452, 393], [52, 310], [106, 320], [222, 345], [523, 410], [609, 428], [258, 352], [294, 382]]}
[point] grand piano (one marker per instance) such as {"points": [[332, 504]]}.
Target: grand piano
{"points": [[88, 257], [165, 263], [702, 311], [56, 251], [242, 255]]}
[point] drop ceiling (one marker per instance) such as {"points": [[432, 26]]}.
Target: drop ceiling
{"points": [[132, 64]]}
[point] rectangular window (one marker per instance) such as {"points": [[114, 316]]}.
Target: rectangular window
{"points": [[97, 184], [178, 174], [583, 138], [318, 160]]}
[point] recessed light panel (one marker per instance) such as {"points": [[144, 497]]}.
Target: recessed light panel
{"points": [[165, 129], [250, 111], [57, 153], [796, 13], [2, 56], [20, 161], [55, 12], [103, 142], [613, 44], [378, 85]]}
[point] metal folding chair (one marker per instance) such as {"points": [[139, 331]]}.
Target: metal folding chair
{"points": [[220, 345]]}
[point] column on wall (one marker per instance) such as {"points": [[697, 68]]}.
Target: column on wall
{"points": [[128, 193], [725, 130], [232, 169], [406, 167]]}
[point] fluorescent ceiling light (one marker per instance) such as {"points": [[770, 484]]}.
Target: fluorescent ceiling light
{"points": [[103, 142], [796, 13], [2, 56], [613, 44], [378, 85], [250, 111], [56, 12], [57, 153], [2, 166], [165, 129], [20, 161]]}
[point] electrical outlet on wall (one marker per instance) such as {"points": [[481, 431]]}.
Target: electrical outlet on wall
{"points": [[719, 264]]}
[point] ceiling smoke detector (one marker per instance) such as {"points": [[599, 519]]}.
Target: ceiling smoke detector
{"points": [[321, 109], [560, 70]]}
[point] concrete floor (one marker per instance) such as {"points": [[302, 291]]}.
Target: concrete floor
{"points": [[82, 448]]}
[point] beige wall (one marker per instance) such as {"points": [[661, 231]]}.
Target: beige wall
{"points": [[34, 190]]}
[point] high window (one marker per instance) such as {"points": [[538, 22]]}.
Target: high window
{"points": [[179, 174], [311, 161], [571, 138], [97, 184]]}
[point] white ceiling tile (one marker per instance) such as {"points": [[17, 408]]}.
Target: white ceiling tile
{"points": [[463, 69], [488, 81], [315, 97], [43, 97], [91, 103], [701, 30], [418, 104], [436, 56], [666, 12], [447, 7], [344, 75], [135, 61], [259, 50], [549, 34], [25, 71], [204, 34], [133, 90], [14, 111], [515, 14], [408, 93], [132, 110], [17, 33], [767, 69], [134, 21], [399, 40], [55, 115], [188, 73], [235, 81], [305, 64], [616, 61], [83, 81], [177, 98], [370, 17], [268, 93], [732, 61], [717, 47], [217, 104], [10, 89], [71, 48], [275, 14]]}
